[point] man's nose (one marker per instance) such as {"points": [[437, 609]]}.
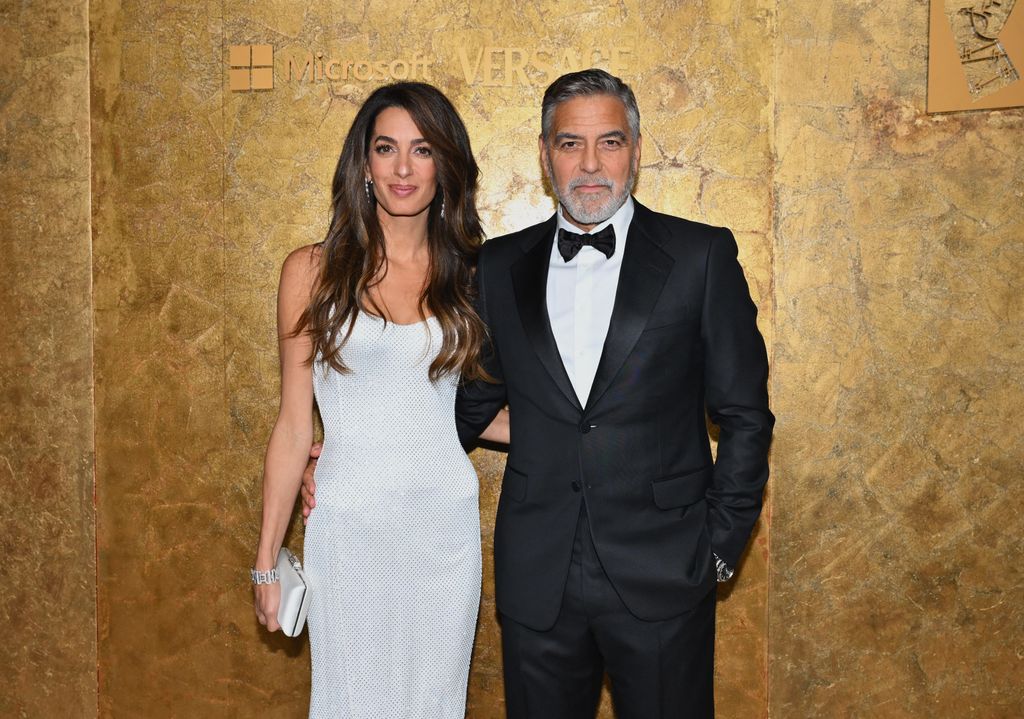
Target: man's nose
{"points": [[590, 162]]}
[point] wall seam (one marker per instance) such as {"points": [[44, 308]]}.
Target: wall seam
{"points": [[225, 370], [92, 359], [773, 224]]}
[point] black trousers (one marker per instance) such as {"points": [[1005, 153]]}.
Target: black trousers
{"points": [[658, 670]]}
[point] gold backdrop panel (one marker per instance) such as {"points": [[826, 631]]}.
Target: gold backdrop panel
{"points": [[888, 241], [701, 81], [207, 172], [170, 568], [47, 521], [896, 534]]}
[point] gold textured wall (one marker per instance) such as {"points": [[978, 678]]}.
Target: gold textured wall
{"points": [[47, 519], [281, 146], [883, 248], [201, 192], [171, 563], [897, 531]]}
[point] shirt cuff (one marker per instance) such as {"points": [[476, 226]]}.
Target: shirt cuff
{"points": [[723, 570]]}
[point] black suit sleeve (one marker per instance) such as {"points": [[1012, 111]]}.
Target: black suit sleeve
{"points": [[478, 401], [736, 396]]}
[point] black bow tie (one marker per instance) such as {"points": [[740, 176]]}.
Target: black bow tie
{"points": [[570, 243]]}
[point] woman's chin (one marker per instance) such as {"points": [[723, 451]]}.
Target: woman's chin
{"points": [[403, 209]]}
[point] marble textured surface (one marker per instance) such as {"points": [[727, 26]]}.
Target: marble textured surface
{"points": [[47, 518], [897, 545]]}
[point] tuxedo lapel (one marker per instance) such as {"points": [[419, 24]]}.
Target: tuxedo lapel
{"points": [[529, 280], [645, 268]]}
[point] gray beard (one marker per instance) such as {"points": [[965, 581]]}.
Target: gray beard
{"points": [[592, 215]]}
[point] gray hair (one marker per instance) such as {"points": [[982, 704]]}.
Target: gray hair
{"points": [[584, 84]]}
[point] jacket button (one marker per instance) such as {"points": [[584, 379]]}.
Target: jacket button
{"points": [[575, 486], [585, 427]]}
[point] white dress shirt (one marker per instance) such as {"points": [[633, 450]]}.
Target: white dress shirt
{"points": [[580, 298]]}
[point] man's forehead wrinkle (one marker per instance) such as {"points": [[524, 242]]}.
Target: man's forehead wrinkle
{"points": [[616, 133], [579, 121]]}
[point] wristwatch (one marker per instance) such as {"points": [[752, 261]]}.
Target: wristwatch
{"points": [[723, 570]]}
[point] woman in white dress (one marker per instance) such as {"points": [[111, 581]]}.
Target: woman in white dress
{"points": [[377, 323]]}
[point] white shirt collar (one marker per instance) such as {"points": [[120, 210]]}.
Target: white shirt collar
{"points": [[620, 221]]}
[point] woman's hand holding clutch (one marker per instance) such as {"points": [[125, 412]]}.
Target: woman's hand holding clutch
{"points": [[266, 600]]}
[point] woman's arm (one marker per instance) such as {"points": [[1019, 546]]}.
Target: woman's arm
{"points": [[498, 429], [289, 443]]}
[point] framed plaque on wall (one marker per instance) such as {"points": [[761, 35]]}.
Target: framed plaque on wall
{"points": [[975, 55]]}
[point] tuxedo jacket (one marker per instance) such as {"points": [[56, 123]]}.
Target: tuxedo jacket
{"points": [[682, 344]]}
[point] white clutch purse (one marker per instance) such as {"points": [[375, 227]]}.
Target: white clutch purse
{"points": [[291, 615]]}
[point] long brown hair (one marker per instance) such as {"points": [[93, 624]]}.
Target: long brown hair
{"points": [[353, 257]]}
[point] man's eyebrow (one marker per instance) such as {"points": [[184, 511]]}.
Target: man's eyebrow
{"points": [[614, 134], [617, 134]]}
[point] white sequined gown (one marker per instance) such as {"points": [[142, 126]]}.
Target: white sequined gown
{"points": [[393, 547]]}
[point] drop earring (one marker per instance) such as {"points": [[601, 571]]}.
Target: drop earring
{"points": [[366, 185], [442, 207]]}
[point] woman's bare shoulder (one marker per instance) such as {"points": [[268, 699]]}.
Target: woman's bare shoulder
{"points": [[302, 266]]}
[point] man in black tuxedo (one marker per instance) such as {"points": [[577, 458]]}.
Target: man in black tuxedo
{"points": [[614, 329], [614, 523]]}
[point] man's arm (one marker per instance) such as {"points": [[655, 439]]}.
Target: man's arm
{"points": [[479, 401], [477, 408], [736, 396]]}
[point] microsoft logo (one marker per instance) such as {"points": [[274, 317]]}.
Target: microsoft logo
{"points": [[252, 67]]}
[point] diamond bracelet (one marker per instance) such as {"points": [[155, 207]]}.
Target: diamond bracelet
{"points": [[267, 577]]}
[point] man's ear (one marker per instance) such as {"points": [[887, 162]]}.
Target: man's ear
{"points": [[542, 147], [636, 155]]}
